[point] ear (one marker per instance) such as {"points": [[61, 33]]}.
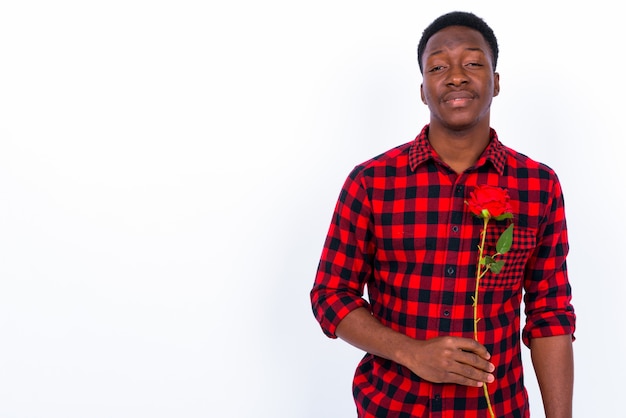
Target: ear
{"points": [[496, 84], [422, 94]]}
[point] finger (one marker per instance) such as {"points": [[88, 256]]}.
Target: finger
{"points": [[475, 361], [473, 346], [469, 376], [474, 374]]}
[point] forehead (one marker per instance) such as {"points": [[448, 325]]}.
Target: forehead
{"points": [[454, 37]]}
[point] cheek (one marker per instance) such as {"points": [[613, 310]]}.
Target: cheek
{"points": [[493, 88], [426, 97]]}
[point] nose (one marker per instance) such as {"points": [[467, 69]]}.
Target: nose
{"points": [[457, 76]]}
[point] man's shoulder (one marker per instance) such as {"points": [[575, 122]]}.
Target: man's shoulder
{"points": [[395, 157], [521, 162]]}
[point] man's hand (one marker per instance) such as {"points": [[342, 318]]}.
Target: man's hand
{"points": [[450, 360], [439, 360]]}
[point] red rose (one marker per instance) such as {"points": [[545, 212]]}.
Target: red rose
{"points": [[490, 202]]}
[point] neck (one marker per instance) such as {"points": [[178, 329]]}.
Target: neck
{"points": [[459, 149]]}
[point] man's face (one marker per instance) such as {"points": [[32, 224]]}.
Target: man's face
{"points": [[459, 82]]}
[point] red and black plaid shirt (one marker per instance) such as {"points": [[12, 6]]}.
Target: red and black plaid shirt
{"points": [[401, 227]]}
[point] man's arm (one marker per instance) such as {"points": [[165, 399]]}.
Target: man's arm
{"points": [[440, 360], [553, 360]]}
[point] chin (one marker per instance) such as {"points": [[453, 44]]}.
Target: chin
{"points": [[461, 125]]}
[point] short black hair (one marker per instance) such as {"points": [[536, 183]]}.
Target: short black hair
{"points": [[467, 19]]}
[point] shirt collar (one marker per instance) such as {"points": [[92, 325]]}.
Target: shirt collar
{"points": [[421, 151]]}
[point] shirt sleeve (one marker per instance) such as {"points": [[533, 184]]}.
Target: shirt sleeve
{"points": [[548, 307], [345, 264]]}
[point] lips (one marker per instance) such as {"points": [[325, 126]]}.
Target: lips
{"points": [[458, 97]]}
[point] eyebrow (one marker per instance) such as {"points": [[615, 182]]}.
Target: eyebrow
{"points": [[440, 51]]}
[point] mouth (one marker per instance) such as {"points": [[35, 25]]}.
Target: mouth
{"points": [[458, 99]]}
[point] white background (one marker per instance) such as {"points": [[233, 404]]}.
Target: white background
{"points": [[168, 171]]}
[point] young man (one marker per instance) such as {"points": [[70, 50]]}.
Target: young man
{"points": [[402, 229]]}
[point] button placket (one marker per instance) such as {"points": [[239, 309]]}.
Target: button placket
{"points": [[450, 271], [436, 403]]}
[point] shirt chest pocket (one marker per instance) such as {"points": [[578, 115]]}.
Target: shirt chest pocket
{"points": [[512, 273]]}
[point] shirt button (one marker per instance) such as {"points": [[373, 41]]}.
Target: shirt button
{"points": [[446, 313], [450, 270], [459, 190], [455, 228], [436, 403]]}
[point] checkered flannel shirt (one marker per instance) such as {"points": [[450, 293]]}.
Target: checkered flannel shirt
{"points": [[401, 230]]}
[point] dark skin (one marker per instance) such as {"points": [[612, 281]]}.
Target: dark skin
{"points": [[440, 360], [458, 86]]}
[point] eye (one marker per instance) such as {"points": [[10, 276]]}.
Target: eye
{"points": [[436, 68]]}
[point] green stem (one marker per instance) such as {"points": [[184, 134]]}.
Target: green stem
{"points": [[479, 275]]}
